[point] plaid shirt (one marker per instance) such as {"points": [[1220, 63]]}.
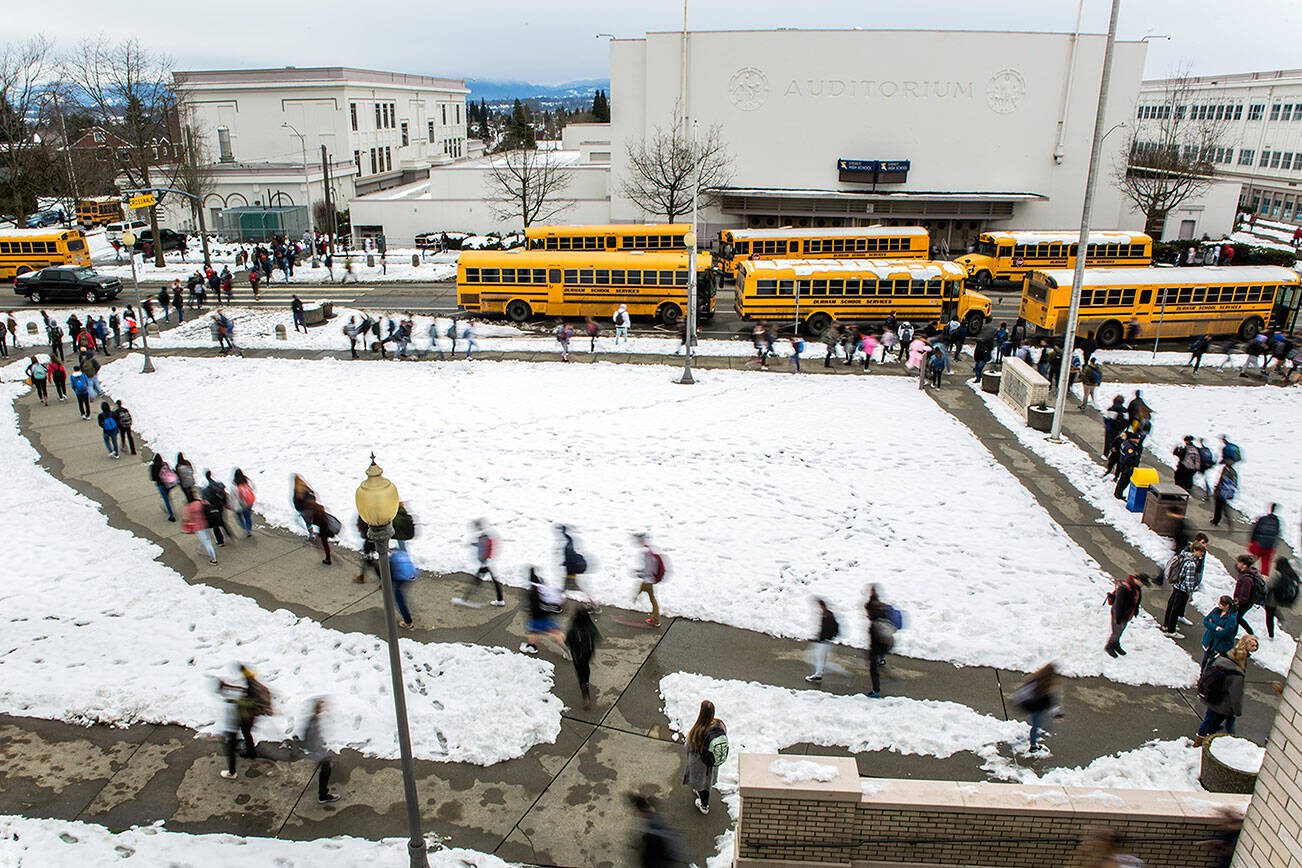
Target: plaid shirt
{"points": [[1188, 575]]}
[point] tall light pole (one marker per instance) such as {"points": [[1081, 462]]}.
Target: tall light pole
{"points": [[377, 504], [689, 329], [129, 242], [1082, 244], [307, 184]]}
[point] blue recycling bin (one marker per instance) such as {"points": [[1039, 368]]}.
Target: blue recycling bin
{"points": [[1136, 497]]}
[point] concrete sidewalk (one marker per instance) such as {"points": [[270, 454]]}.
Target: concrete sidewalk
{"points": [[562, 803]]}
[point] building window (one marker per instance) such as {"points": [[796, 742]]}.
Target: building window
{"points": [[405, 140], [352, 114], [98, 137], [1238, 111], [1245, 156], [458, 108], [388, 159], [1255, 111], [443, 112], [379, 116], [1220, 113], [1287, 161], [357, 158], [1286, 113], [224, 145], [431, 132], [1274, 112], [375, 167], [1179, 112], [1274, 159]]}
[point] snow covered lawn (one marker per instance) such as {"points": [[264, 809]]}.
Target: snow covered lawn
{"points": [[1087, 476], [95, 630], [763, 491], [70, 844]]}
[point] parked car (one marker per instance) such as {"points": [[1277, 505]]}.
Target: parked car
{"points": [[167, 239], [41, 219], [113, 231], [70, 282]]}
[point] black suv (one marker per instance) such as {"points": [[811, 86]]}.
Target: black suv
{"points": [[66, 282], [167, 239]]}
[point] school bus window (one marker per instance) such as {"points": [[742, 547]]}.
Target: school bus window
{"points": [[934, 288], [766, 287], [1198, 296], [852, 286], [836, 287], [786, 287], [472, 275], [602, 276], [680, 278], [819, 288], [1240, 293], [617, 277]]}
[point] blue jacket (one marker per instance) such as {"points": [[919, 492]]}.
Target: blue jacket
{"points": [[80, 384], [401, 567], [1221, 628]]}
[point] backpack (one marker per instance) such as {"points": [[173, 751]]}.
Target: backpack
{"points": [[896, 617], [1233, 452], [882, 633], [715, 750], [937, 362], [167, 476], [1227, 487], [657, 568], [1206, 458], [1285, 585], [1259, 590], [110, 424], [260, 697], [1213, 684], [332, 526], [245, 492], [1172, 570]]}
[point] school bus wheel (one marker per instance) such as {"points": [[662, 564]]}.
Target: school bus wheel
{"points": [[1250, 328], [518, 310], [23, 269], [983, 279], [669, 313], [1109, 334], [817, 324], [974, 322]]}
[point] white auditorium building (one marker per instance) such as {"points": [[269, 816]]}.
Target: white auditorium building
{"points": [[959, 131]]}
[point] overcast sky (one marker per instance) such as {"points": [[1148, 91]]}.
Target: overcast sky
{"points": [[551, 42]]}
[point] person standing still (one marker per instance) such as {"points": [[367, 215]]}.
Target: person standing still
{"points": [[621, 320], [1125, 599], [707, 748], [123, 417], [1186, 575]]}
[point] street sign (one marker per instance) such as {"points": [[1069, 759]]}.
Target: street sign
{"points": [[873, 171], [141, 200]]}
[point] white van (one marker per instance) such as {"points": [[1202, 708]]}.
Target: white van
{"points": [[113, 231]]}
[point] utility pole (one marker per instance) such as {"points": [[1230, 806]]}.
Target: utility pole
{"points": [[1082, 245], [331, 228], [682, 77]]}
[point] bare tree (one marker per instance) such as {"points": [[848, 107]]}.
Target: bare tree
{"points": [[194, 172], [528, 184], [128, 88], [666, 167], [1172, 155], [24, 69]]}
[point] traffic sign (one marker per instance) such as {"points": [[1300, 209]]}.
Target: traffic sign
{"points": [[141, 200]]}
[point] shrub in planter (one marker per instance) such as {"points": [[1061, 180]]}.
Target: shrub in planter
{"points": [[1040, 417]]}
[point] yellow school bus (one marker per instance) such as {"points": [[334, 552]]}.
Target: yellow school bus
{"points": [[523, 283], [610, 236], [1013, 255], [1167, 302], [99, 210], [24, 250], [827, 242], [820, 291]]}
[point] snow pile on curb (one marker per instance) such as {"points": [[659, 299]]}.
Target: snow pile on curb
{"points": [[72, 844], [1157, 765], [1238, 753], [802, 771], [97, 631], [756, 508]]}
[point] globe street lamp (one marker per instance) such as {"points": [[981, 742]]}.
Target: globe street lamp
{"points": [[129, 241], [377, 504]]}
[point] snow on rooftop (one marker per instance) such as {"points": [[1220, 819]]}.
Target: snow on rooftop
{"points": [[1068, 237], [883, 269], [1195, 276], [827, 232]]}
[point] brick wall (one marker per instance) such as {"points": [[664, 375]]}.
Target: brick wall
{"points": [[1272, 830], [906, 822]]}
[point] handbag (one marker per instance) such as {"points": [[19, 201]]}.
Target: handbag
{"points": [[168, 477]]}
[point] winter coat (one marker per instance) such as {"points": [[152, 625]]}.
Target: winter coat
{"points": [[1221, 628], [1231, 704], [313, 742], [1125, 602], [1244, 586], [698, 775], [582, 636], [828, 629], [1265, 533], [79, 382]]}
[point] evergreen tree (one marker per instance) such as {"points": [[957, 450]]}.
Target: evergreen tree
{"points": [[601, 107]]}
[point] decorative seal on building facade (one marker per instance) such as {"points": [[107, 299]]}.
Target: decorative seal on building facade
{"points": [[1005, 91], [748, 88]]}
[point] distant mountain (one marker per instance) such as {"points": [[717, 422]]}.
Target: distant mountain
{"points": [[496, 91]]}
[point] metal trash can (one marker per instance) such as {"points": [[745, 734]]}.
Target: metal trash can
{"points": [[1164, 505]]}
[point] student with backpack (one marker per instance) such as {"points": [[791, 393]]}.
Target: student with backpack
{"points": [[650, 572], [37, 375], [1038, 697], [581, 639], [1265, 536], [1125, 600], [707, 748], [1249, 589], [1184, 572], [195, 521], [402, 570], [1187, 463], [1220, 627], [254, 702], [108, 425], [883, 621], [1206, 461], [1283, 593], [123, 417], [1220, 687], [544, 604], [164, 479], [1227, 488], [820, 650], [573, 564], [485, 546], [1129, 453], [243, 502]]}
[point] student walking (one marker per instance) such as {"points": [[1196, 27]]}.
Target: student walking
{"points": [[402, 570], [38, 376], [196, 522], [123, 417], [1227, 488], [1038, 697], [108, 425], [244, 499], [1220, 688], [185, 475], [581, 639], [296, 308], [1265, 536], [214, 501], [1091, 377], [881, 638], [1283, 593], [707, 748], [1125, 599], [325, 526], [573, 564], [164, 479], [798, 347], [58, 375], [314, 747], [1249, 589], [621, 320], [485, 546], [1187, 463], [820, 650], [544, 604], [1114, 420], [593, 331], [651, 571], [1129, 453], [563, 334]]}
